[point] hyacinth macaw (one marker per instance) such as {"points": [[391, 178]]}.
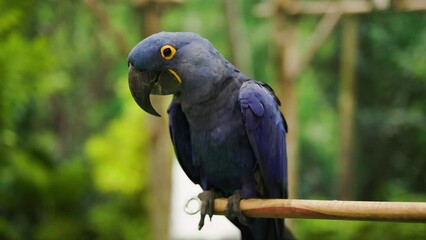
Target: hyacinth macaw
{"points": [[227, 130]]}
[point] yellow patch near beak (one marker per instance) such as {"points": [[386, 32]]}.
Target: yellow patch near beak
{"points": [[176, 76]]}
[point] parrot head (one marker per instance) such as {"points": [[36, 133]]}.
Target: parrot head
{"points": [[174, 63]]}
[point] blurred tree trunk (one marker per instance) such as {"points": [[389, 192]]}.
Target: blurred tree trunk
{"points": [[285, 40], [102, 17], [347, 104], [160, 154], [287, 65], [237, 35]]}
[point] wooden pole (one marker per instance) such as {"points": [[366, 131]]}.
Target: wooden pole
{"points": [[410, 5], [314, 7], [347, 104], [321, 7], [322, 209], [288, 59]]}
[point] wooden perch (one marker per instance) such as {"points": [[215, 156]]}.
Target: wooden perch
{"points": [[321, 209]]}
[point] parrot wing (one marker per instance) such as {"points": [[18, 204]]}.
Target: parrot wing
{"points": [[266, 129], [179, 132]]}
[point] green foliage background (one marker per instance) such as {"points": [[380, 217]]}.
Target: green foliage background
{"points": [[73, 144]]}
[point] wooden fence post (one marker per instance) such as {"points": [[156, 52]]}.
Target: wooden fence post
{"points": [[285, 39], [347, 104]]}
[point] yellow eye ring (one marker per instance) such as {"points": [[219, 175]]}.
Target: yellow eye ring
{"points": [[168, 52]]}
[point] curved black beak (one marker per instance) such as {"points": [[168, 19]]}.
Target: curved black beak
{"points": [[142, 84]]}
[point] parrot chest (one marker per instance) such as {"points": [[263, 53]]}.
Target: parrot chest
{"points": [[222, 153]]}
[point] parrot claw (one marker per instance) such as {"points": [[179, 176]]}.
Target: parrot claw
{"points": [[233, 209], [207, 206]]}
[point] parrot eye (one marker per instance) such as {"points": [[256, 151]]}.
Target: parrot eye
{"points": [[167, 52]]}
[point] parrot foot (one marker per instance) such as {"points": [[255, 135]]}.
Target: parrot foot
{"points": [[207, 206], [233, 209]]}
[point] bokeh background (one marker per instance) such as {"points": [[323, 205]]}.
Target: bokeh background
{"points": [[80, 160]]}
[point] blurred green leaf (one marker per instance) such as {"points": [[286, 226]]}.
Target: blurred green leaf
{"points": [[119, 154]]}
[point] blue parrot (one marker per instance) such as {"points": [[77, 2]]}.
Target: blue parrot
{"points": [[227, 130]]}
